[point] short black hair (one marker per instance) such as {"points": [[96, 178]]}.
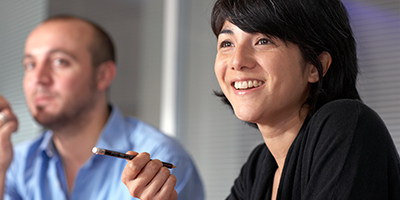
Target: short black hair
{"points": [[316, 26], [101, 48]]}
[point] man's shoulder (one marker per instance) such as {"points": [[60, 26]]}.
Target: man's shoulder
{"points": [[27, 152], [146, 136], [29, 146], [147, 131]]}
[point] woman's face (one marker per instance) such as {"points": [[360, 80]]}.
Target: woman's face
{"points": [[265, 79]]}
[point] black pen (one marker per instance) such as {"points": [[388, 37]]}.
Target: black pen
{"points": [[101, 151]]}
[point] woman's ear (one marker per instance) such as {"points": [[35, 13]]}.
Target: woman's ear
{"points": [[105, 75], [326, 60]]}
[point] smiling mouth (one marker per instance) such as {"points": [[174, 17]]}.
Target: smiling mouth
{"points": [[244, 85]]}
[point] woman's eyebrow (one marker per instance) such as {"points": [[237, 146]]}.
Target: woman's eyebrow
{"points": [[226, 31]]}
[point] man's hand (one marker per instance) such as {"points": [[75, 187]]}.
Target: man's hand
{"points": [[147, 179], [8, 125]]}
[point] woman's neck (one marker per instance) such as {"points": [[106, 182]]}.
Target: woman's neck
{"points": [[279, 137]]}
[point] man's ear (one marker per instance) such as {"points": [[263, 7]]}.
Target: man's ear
{"points": [[105, 75], [326, 60]]}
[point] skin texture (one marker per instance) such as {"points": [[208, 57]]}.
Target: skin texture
{"points": [[153, 181], [63, 90], [6, 129], [67, 94], [54, 68], [277, 106], [242, 56]]}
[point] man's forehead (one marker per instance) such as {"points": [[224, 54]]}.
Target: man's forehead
{"points": [[63, 29], [57, 39], [65, 33]]}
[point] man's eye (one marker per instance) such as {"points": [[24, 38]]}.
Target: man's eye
{"points": [[226, 44], [29, 65], [60, 62]]}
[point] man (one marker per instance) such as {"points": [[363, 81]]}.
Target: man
{"points": [[69, 65]]}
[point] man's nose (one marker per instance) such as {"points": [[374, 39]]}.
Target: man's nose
{"points": [[42, 73]]}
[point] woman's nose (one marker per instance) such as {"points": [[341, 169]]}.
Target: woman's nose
{"points": [[242, 58]]}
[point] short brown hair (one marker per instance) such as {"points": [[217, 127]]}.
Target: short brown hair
{"points": [[102, 48]]}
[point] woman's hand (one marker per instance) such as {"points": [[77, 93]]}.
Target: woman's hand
{"points": [[147, 179]]}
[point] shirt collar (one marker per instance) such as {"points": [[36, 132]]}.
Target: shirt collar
{"points": [[113, 137], [115, 133], [47, 145]]}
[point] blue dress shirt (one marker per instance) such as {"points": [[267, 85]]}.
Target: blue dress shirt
{"points": [[37, 173]]}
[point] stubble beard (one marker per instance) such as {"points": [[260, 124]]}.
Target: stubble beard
{"points": [[73, 112]]}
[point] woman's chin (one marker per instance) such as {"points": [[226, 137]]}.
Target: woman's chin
{"points": [[246, 117]]}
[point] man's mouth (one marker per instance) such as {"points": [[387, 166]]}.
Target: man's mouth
{"points": [[244, 85]]}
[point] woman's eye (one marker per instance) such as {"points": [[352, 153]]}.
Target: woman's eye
{"points": [[226, 44], [263, 41]]}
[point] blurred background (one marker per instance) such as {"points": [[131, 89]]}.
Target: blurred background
{"points": [[165, 58]]}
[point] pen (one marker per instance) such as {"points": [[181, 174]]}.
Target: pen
{"points": [[101, 151]]}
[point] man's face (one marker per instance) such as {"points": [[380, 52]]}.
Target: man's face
{"points": [[59, 81]]}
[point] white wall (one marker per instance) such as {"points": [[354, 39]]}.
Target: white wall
{"points": [[17, 19]]}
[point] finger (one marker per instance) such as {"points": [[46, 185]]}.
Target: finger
{"points": [[8, 128], [4, 115], [5, 135], [137, 164], [168, 189], [4, 110], [157, 182], [174, 195], [133, 167], [8, 114], [3, 118], [8, 123], [3, 103], [149, 172], [141, 183], [133, 176], [131, 153]]}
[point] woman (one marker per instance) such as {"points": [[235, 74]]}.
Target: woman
{"points": [[289, 68]]}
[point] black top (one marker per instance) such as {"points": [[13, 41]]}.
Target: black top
{"points": [[343, 152]]}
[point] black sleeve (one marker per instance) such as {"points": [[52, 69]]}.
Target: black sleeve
{"points": [[354, 156]]}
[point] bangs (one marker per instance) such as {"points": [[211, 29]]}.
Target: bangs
{"points": [[250, 16]]}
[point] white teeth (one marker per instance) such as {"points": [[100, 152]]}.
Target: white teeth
{"points": [[242, 85], [250, 84]]}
